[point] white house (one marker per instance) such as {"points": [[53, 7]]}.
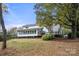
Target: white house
{"points": [[29, 31], [56, 29]]}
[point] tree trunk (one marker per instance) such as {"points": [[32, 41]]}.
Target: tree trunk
{"points": [[3, 28], [74, 32], [49, 29], [74, 19]]}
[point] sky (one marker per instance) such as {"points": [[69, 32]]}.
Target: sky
{"points": [[19, 14]]}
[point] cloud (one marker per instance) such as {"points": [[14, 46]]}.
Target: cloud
{"points": [[8, 27]]}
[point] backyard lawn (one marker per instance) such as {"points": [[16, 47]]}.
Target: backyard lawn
{"points": [[38, 47]]}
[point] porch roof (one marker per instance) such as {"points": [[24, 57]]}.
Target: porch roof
{"points": [[29, 28]]}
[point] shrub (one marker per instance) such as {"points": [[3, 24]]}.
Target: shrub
{"points": [[69, 35], [77, 33], [48, 36], [58, 35], [0, 38], [10, 37], [66, 31]]}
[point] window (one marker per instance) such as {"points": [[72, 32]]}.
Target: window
{"points": [[33, 31], [27, 32]]}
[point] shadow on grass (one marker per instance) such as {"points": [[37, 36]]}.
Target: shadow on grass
{"points": [[66, 40]]}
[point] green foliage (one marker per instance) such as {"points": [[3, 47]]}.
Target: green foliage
{"points": [[68, 16], [77, 33], [66, 31], [69, 35], [5, 8], [0, 38], [12, 33], [67, 13], [44, 15], [48, 36], [64, 14], [11, 37]]}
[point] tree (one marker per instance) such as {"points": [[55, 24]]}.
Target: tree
{"points": [[44, 15], [64, 14], [3, 27], [68, 16]]}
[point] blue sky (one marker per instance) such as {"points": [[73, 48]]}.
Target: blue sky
{"points": [[19, 14]]}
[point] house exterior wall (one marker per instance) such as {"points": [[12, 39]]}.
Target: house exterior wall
{"points": [[36, 32], [26, 35]]}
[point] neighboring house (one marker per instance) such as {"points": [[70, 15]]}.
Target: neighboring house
{"points": [[12, 32], [58, 30]]}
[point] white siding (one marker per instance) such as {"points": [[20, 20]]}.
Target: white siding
{"points": [[35, 33]]}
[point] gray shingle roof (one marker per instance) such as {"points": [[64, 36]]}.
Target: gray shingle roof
{"points": [[29, 25]]}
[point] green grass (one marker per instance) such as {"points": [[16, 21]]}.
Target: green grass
{"points": [[24, 43]]}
